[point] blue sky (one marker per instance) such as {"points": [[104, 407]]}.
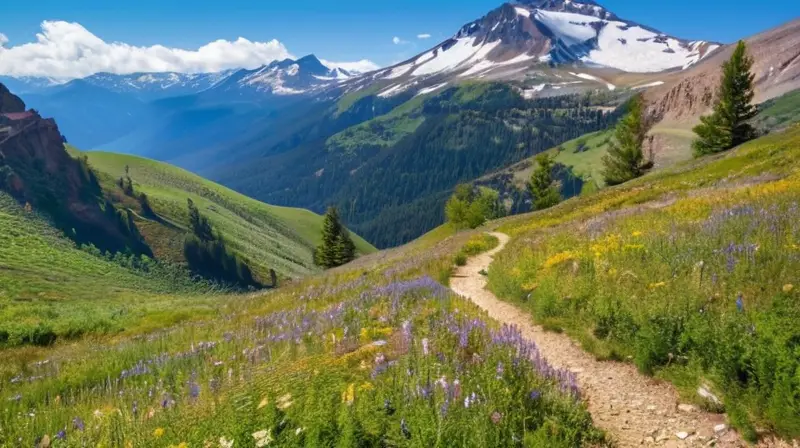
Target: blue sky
{"points": [[352, 29]]}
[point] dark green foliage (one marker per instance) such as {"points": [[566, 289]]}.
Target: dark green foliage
{"points": [[728, 125], [337, 247], [469, 208], [544, 191], [625, 159], [208, 256], [393, 194]]}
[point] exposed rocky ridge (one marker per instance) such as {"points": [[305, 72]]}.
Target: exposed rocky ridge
{"points": [[37, 171], [687, 96]]}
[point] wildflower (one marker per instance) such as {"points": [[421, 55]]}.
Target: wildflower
{"points": [[158, 432], [558, 258], [263, 437], [534, 395], [657, 285], [366, 386], [263, 403], [97, 413], [740, 303], [299, 431], [348, 395], [135, 408], [77, 424], [61, 435], [387, 406], [496, 417], [425, 346], [225, 443], [285, 402], [636, 233], [194, 390], [500, 369], [788, 288]]}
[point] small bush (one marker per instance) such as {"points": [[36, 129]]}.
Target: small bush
{"points": [[460, 259]]}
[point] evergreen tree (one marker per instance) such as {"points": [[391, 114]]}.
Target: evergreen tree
{"points": [[337, 247], [625, 159], [541, 186], [727, 126], [199, 224]]}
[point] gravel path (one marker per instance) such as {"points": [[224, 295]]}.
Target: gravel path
{"points": [[634, 409]]}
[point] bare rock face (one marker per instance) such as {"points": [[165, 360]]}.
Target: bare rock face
{"points": [[776, 55], [10, 103]]}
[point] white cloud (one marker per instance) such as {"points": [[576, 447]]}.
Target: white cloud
{"points": [[3, 39], [68, 50], [423, 36], [362, 66], [397, 41]]}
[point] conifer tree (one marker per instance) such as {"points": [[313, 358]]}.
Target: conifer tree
{"points": [[337, 247], [727, 126], [541, 186], [625, 159]]}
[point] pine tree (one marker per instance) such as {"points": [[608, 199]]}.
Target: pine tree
{"points": [[625, 159], [727, 126], [541, 186], [199, 223], [337, 247]]}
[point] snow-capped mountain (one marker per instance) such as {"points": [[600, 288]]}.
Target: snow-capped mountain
{"points": [[157, 85], [540, 33], [285, 78], [29, 84]]}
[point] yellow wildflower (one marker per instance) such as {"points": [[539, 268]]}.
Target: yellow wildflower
{"points": [[657, 285], [349, 394], [636, 233], [158, 432], [788, 288], [530, 286], [366, 386], [263, 403], [558, 258], [634, 246]]}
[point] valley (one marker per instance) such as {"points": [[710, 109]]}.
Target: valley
{"points": [[555, 227]]}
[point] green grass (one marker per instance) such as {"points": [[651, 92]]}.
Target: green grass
{"points": [[383, 131], [652, 271], [347, 101], [780, 112], [352, 359], [269, 237], [51, 289]]}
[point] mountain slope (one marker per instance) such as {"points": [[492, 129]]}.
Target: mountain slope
{"points": [[268, 237]]}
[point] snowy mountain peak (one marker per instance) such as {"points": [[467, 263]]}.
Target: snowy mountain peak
{"points": [[517, 36]]}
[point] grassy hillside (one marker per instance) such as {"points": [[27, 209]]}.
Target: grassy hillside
{"points": [[689, 272], [280, 238], [50, 289], [780, 112], [368, 355]]}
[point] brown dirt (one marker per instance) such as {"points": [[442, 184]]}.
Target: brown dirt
{"points": [[634, 409]]}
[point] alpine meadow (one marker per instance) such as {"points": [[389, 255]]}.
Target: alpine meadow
{"points": [[552, 227]]}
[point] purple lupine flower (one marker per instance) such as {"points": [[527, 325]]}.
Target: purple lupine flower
{"points": [[61, 435], [534, 395], [500, 369], [77, 424], [740, 303]]}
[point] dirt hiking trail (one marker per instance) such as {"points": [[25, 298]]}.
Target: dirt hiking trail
{"points": [[634, 409]]}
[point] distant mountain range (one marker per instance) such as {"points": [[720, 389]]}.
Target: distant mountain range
{"points": [[305, 133]]}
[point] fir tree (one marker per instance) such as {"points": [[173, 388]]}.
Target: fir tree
{"points": [[728, 125], [199, 223], [541, 186], [337, 247], [625, 159]]}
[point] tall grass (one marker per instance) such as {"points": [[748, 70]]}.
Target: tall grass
{"points": [[699, 289]]}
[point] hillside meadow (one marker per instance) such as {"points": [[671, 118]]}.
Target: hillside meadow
{"points": [[690, 273]]}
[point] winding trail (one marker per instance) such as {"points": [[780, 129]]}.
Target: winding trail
{"points": [[634, 409]]}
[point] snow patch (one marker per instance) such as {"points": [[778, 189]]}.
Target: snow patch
{"points": [[398, 71], [428, 90], [523, 12], [651, 84]]}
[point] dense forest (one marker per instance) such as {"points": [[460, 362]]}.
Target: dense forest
{"points": [[380, 181]]}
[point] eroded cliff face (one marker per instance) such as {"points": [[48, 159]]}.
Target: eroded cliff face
{"points": [[10, 103], [687, 96], [37, 170]]}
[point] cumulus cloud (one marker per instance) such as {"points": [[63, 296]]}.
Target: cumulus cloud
{"points": [[397, 41], [423, 36], [362, 66], [68, 50]]}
